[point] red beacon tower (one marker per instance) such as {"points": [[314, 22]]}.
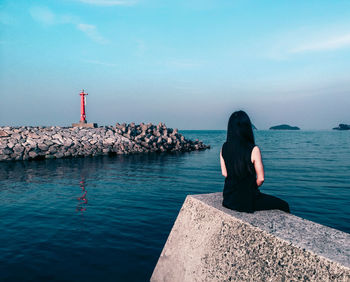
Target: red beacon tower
{"points": [[82, 107], [83, 122]]}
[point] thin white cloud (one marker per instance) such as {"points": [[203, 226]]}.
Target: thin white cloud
{"points": [[91, 31], [45, 16], [97, 62], [109, 2], [332, 43], [307, 40]]}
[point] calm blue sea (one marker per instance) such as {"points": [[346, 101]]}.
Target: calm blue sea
{"points": [[107, 218]]}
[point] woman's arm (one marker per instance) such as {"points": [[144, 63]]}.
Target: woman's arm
{"points": [[223, 166], [258, 165]]}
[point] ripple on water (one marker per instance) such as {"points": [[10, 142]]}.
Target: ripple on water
{"points": [[104, 217]]}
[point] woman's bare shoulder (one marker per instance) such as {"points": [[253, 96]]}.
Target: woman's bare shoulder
{"points": [[256, 154]]}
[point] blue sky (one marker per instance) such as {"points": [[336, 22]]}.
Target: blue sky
{"points": [[186, 63]]}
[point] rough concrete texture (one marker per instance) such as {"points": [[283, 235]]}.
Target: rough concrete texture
{"points": [[84, 124], [211, 243]]}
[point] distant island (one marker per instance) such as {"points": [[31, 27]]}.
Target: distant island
{"points": [[254, 127], [284, 127], [342, 126]]}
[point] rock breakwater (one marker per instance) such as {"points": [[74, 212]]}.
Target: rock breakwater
{"points": [[26, 143]]}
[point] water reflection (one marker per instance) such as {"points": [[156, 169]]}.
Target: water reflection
{"points": [[49, 170], [82, 200]]}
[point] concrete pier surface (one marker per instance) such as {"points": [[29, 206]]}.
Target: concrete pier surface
{"points": [[211, 243], [85, 124]]}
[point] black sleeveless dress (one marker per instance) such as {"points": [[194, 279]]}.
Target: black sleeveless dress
{"points": [[239, 191]]}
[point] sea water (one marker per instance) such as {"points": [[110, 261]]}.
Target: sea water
{"points": [[107, 218]]}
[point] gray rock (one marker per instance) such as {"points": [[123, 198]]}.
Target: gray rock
{"points": [[18, 148], [3, 133], [18, 157], [53, 149], [57, 142], [145, 144], [33, 154], [67, 143], [4, 157], [3, 144], [42, 146], [33, 135], [67, 154], [48, 142], [16, 136], [144, 127], [57, 136]]}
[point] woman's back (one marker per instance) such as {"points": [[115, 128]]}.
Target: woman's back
{"points": [[242, 166], [240, 184]]}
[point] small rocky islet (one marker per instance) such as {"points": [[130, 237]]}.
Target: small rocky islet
{"points": [[284, 127], [342, 126], [32, 143]]}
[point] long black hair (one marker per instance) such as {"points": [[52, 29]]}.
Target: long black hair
{"points": [[239, 142]]}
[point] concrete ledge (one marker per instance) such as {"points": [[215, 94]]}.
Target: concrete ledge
{"points": [[83, 124], [211, 243]]}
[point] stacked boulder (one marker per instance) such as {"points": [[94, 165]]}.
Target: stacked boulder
{"points": [[25, 143], [158, 138]]}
